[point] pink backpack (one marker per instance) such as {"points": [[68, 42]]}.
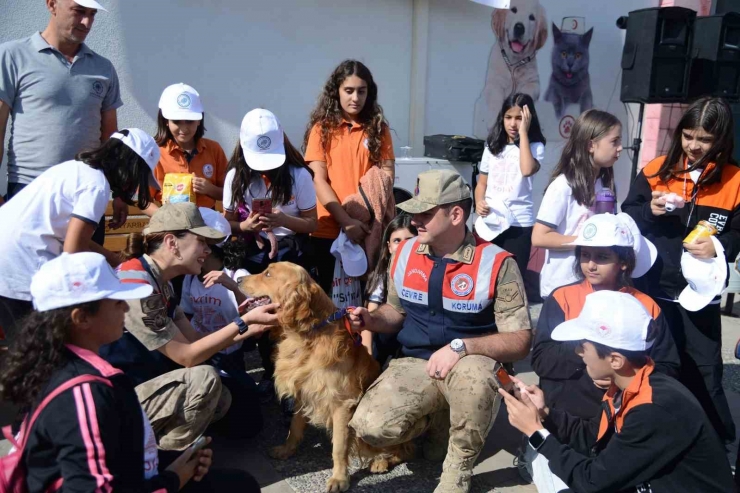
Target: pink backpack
{"points": [[12, 469]]}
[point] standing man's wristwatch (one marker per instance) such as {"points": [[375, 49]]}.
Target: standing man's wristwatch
{"points": [[458, 346], [243, 327]]}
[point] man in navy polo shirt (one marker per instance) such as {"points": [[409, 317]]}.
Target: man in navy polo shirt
{"points": [[460, 310], [62, 97]]}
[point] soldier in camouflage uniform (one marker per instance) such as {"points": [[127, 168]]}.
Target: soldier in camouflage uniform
{"points": [[460, 310], [161, 351]]}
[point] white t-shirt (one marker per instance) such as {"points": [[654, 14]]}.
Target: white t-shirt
{"points": [[506, 183], [303, 198], [378, 295], [34, 222], [213, 308], [560, 211]]}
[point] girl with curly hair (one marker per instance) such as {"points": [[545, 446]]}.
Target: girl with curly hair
{"points": [[346, 135]]}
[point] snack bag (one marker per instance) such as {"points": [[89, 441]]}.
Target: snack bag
{"points": [[178, 187]]}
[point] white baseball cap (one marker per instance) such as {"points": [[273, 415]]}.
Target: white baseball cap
{"points": [[75, 278], [497, 221], [262, 140], [706, 278], [217, 221], [607, 230], [144, 145], [352, 256], [181, 102], [611, 318], [90, 4]]}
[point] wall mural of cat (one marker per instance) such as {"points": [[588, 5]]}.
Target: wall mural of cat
{"points": [[570, 82]]}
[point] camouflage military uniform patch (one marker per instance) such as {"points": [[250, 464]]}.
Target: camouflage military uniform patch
{"points": [[154, 312], [508, 295]]}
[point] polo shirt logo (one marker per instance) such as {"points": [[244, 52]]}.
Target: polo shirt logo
{"points": [[208, 170], [183, 101], [264, 142], [462, 284], [98, 88]]}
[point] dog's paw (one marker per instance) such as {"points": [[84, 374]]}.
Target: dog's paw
{"points": [[379, 465], [281, 452], [335, 485]]}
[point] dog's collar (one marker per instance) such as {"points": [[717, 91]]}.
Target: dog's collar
{"points": [[342, 313], [521, 62]]}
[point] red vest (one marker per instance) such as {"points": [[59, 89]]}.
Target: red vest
{"points": [[459, 303]]}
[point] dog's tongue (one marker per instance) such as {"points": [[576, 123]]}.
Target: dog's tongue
{"points": [[569, 75], [516, 46]]}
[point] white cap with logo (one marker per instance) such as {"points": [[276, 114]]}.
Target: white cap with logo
{"points": [[614, 319], [706, 278], [144, 145], [75, 278], [217, 221], [90, 4], [262, 140], [354, 260], [181, 102], [607, 230]]}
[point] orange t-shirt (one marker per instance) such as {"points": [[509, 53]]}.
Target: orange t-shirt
{"points": [[209, 162], [347, 160]]}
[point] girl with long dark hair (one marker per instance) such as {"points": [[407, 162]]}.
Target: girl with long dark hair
{"points": [[398, 230], [503, 195], [60, 210], [346, 135], [584, 169], [265, 166], [700, 172]]}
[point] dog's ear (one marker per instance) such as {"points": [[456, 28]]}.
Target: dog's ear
{"points": [[498, 23], [541, 35], [304, 306]]}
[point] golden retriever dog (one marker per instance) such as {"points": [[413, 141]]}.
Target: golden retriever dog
{"points": [[320, 367], [512, 65]]}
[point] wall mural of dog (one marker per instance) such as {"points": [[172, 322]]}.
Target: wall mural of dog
{"points": [[320, 366], [570, 82], [512, 66]]}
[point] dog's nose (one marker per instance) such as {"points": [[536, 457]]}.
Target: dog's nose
{"points": [[518, 30]]}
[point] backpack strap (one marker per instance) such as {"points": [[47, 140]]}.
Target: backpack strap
{"points": [[27, 424]]}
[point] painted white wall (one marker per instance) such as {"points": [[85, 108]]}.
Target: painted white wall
{"points": [[241, 54]]}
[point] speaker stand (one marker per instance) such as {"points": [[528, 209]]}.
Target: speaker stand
{"points": [[637, 142]]}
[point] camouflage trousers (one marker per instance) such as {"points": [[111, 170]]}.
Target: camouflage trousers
{"points": [[398, 406], [182, 403]]}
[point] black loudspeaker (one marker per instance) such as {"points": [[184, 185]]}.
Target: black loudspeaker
{"points": [[656, 60], [715, 69]]}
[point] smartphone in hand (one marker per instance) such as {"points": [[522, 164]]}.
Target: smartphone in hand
{"points": [[262, 206], [504, 381]]}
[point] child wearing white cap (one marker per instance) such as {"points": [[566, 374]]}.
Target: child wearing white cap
{"points": [[91, 433], [180, 129], [651, 435], [609, 252], [60, 210], [265, 168]]}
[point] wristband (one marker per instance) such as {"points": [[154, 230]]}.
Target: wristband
{"points": [[243, 327]]}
